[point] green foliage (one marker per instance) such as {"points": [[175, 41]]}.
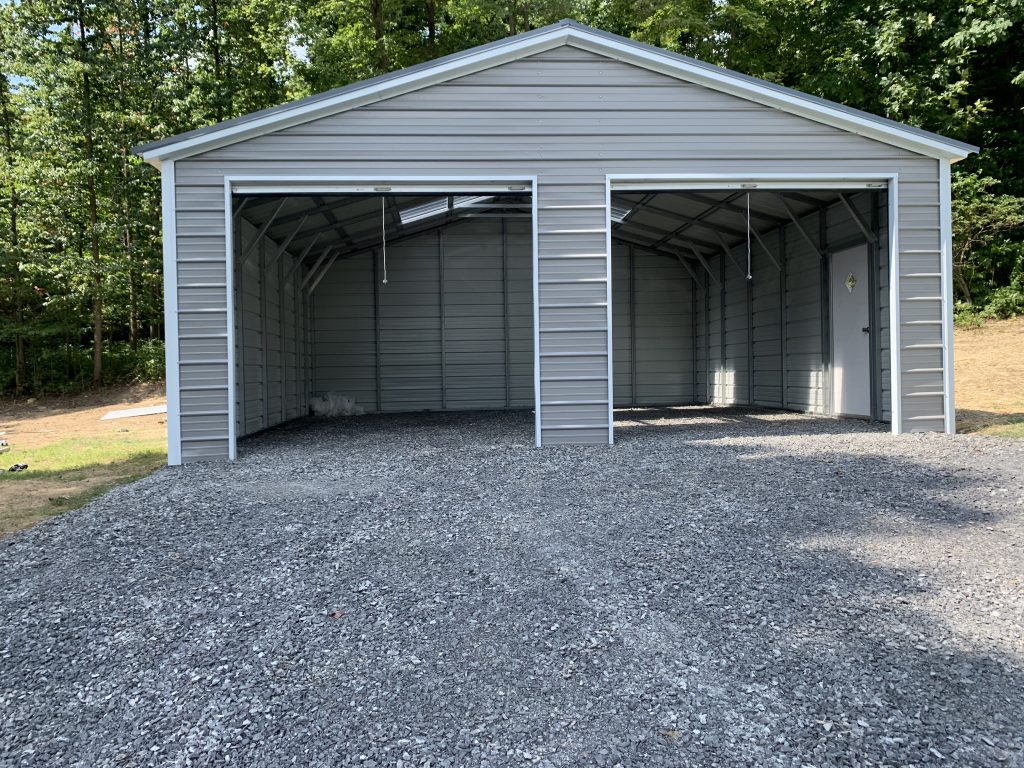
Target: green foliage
{"points": [[82, 83], [66, 368]]}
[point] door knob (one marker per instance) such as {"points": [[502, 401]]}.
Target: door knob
{"points": [[866, 329]]}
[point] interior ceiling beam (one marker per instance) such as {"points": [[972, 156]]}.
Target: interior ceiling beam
{"points": [[287, 241], [263, 230], [325, 206], [727, 250], [704, 263], [301, 257], [800, 227], [871, 236], [754, 213], [696, 220], [663, 236]]}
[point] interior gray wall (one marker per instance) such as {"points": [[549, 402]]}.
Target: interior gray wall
{"points": [[452, 329], [271, 351], [774, 352], [652, 324]]}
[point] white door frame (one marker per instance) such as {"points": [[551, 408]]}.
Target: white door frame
{"points": [[343, 184], [804, 181]]}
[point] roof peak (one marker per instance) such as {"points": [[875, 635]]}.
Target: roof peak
{"points": [[534, 41]]}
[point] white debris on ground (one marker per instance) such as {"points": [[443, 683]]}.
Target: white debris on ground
{"points": [[336, 404]]}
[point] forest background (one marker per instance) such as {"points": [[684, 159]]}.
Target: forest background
{"points": [[81, 83]]}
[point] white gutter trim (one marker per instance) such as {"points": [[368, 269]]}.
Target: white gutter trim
{"points": [[519, 48], [946, 234], [171, 355]]}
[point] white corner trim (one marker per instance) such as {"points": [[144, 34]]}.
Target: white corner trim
{"points": [[609, 269], [171, 356], [946, 233], [518, 48], [538, 435], [895, 323], [229, 281]]}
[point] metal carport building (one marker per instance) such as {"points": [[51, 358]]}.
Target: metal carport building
{"points": [[567, 220]]}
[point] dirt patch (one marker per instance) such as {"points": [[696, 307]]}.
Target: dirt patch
{"points": [[72, 454], [990, 375]]}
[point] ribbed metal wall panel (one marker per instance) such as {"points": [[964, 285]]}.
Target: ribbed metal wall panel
{"points": [[569, 117], [451, 330], [270, 327], [653, 329]]}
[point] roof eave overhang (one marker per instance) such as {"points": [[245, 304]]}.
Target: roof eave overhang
{"points": [[542, 40]]}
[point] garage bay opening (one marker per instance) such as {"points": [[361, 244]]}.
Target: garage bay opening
{"points": [[382, 302], [747, 296]]}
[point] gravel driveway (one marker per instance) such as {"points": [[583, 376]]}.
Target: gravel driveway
{"points": [[720, 588]]}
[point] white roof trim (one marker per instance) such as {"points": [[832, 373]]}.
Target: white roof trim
{"points": [[541, 40]]}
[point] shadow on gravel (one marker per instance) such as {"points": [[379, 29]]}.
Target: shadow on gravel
{"points": [[431, 589]]}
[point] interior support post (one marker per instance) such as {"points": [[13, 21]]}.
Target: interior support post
{"points": [[783, 317], [444, 323], [707, 337], [281, 336], [693, 333], [750, 337], [722, 297], [263, 333], [239, 285], [826, 314], [875, 323]]}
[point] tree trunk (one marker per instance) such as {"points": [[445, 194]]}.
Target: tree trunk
{"points": [[377, 17], [94, 233], [432, 27]]}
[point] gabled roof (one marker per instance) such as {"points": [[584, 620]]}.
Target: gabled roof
{"points": [[566, 32]]}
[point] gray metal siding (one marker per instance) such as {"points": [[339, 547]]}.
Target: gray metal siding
{"points": [[270, 365], [570, 117], [452, 329], [652, 327]]}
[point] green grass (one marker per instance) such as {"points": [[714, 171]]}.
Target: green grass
{"points": [[1014, 429], [69, 473], [72, 457]]}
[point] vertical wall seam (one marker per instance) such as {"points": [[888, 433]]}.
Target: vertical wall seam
{"points": [[281, 335], [693, 340], [722, 361], [264, 373]]}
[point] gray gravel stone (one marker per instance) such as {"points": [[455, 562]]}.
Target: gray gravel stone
{"points": [[720, 588]]}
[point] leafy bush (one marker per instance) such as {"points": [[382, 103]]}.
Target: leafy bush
{"points": [[1004, 302], [967, 316]]}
